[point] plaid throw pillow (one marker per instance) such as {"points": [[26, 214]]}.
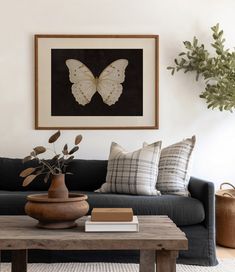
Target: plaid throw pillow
{"points": [[174, 168], [132, 172]]}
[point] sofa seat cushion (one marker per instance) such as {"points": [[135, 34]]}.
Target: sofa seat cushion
{"points": [[182, 210], [12, 202]]}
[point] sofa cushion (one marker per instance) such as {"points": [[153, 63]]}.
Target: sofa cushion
{"points": [[86, 175], [182, 210], [174, 167], [13, 202], [10, 179], [132, 172]]}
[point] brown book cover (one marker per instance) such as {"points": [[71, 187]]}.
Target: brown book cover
{"points": [[112, 214]]}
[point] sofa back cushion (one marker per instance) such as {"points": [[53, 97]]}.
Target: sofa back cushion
{"points": [[9, 176], [88, 175]]}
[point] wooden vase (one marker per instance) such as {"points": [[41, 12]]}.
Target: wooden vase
{"points": [[58, 187]]}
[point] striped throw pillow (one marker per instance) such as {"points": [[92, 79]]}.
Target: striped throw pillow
{"points": [[174, 168], [132, 172]]}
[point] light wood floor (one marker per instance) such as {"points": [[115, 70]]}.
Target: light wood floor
{"points": [[224, 252]]}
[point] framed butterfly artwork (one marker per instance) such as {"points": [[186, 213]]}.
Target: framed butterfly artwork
{"points": [[96, 81]]}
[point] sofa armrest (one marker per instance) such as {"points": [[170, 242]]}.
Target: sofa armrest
{"points": [[205, 192]]}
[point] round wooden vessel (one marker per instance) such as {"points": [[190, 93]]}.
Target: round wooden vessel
{"points": [[56, 213]]}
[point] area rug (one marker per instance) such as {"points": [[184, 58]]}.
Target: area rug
{"points": [[226, 265]]}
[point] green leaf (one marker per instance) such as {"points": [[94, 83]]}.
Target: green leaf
{"points": [[221, 33], [187, 44], [195, 41], [202, 95], [216, 71], [209, 106]]}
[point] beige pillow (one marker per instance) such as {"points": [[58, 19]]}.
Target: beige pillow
{"points": [[132, 172], [175, 167]]}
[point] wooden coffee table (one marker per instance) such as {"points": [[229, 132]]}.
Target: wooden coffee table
{"points": [[158, 240]]}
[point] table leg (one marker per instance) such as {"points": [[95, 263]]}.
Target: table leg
{"points": [[166, 261], [19, 260], [147, 261]]}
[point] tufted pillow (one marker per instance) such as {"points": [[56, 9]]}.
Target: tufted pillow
{"points": [[132, 172]]}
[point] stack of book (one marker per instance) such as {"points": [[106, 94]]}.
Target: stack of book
{"points": [[112, 220]]}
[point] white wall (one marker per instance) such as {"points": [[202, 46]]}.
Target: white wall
{"points": [[182, 112]]}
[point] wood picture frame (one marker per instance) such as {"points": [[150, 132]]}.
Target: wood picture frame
{"points": [[96, 81]]}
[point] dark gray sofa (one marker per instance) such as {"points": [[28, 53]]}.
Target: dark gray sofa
{"points": [[194, 215]]}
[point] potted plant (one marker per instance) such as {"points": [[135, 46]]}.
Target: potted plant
{"points": [[59, 208]]}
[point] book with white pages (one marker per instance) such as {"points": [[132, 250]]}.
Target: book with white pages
{"points": [[128, 226]]}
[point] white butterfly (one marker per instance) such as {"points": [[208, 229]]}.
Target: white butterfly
{"points": [[108, 84]]}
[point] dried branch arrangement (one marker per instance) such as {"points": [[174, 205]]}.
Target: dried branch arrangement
{"points": [[55, 166]]}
